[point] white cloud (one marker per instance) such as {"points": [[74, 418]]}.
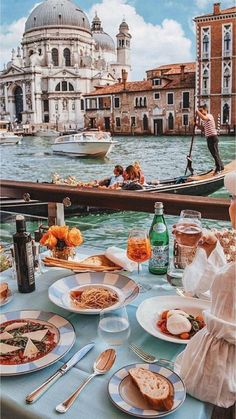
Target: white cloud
{"points": [[152, 45], [10, 37]]}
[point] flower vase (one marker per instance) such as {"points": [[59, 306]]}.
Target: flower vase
{"points": [[63, 253]]}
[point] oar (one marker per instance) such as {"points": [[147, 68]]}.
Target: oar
{"points": [[189, 159]]}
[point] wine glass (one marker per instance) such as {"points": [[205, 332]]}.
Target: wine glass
{"points": [[138, 246], [113, 326], [188, 232], [139, 250]]}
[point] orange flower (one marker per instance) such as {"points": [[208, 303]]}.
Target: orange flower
{"points": [[48, 240], [60, 232], [74, 237]]}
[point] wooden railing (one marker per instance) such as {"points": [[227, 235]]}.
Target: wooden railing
{"points": [[212, 208]]}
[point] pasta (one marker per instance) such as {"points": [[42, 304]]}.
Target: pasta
{"points": [[97, 298]]}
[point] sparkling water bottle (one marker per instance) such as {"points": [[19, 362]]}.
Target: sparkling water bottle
{"points": [[159, 238]]}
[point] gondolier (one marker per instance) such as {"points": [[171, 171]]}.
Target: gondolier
{"points": [[211, 136]]}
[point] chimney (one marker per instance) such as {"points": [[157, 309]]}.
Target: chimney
{"points": [[124, 75], [182, 72], [216, 8]]}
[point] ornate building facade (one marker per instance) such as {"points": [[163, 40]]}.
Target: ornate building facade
{"points": [[216, 64], [162, 104], [61, 58]]}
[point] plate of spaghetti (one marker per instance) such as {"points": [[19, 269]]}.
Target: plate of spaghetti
{"points": [[91, 292]]}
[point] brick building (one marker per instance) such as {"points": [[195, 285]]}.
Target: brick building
{"points": [[215, 71], [164, 103]]}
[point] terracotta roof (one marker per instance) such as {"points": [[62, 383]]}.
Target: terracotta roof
{"points": [[132, 86], [221, 12], [146, 85], [175, 68]]}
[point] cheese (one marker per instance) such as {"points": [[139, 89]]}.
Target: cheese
{"points": [[30, 349], [38, 335], [5, 335], [177, 324], [6, 349], [14, 326]]}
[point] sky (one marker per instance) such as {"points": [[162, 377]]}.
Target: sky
{"points": [[162, 31]]}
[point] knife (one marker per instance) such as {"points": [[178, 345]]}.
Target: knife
{"points": [[32, 397]]}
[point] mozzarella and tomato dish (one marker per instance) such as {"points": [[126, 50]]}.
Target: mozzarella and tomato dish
{"points": [[26, 340], [180, 324]]}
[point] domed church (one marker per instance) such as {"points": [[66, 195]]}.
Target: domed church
{"points": [[61, 58]]}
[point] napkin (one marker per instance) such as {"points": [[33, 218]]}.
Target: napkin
{"points": [[199, 275], [207, 365], [119, 257]]}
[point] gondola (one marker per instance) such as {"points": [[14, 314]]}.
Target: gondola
{"points": [[203, 184]]}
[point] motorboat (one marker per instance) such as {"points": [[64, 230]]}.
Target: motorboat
{"points": [[8, 137], [91, 143], [46, 133]]}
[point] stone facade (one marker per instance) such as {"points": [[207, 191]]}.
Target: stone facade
{"points": [[61, 58], [216, 64], [162, 104]]}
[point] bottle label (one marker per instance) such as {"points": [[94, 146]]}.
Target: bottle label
{"points": [[30, 262], [159, 257], [159, 227]]}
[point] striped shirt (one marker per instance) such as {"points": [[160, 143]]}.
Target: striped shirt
{"points": [[209, 126]]}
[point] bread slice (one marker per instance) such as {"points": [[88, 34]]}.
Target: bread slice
{"points": [[98, 260], [3, 291], [155, 388]]}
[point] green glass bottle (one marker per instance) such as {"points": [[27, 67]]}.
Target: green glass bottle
{"points": [[159, 238]]}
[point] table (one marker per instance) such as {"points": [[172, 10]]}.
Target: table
{"points": [[93, 403]]}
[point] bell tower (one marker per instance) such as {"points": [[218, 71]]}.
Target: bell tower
{"points": [[123, 46]]}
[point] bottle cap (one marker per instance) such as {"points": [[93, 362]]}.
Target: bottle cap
{"points": [[158, 205]]}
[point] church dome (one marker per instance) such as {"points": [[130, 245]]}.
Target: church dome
{"points": [[102, 39], [57, 13]]}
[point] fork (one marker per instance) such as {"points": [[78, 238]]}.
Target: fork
{"points": [[145, 356]]}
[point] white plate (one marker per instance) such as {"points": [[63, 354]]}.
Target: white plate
{"points": [[66, 339], [149, 311], [7, 299], [59, 292], [125, 395]]}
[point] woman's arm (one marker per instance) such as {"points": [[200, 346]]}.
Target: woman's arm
{"points": [[201, 115]]}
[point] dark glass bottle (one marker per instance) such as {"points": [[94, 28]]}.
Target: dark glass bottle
{"points": [[24, 258], [159, 239]]}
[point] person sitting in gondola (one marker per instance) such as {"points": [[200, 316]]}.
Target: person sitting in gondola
{"points": [[114, 181], [132, 179], [141, 176]]}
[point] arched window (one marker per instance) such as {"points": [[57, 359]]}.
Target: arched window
{"points": [[145, 122], [226, 113], [64, 86], [170, 121], [40, 51], [140, 102], [145, 101], [30, 52], [226, 78], [205, 43], [227, 40], [58, 87], [66, 54], [82, 104], [55, 57], [205, 79], [136, 102], [71, 88]]}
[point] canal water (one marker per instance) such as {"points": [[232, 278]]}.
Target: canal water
{"points": [[160, 157]]}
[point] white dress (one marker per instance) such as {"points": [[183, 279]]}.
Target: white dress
{"points": [[208, 363]]}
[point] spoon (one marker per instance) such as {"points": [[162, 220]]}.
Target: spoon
{"points": [[103, 364]]}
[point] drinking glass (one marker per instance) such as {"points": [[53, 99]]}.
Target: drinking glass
{"points": [[188, 232], [113, 326], [138, 246], [139, 250]]}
